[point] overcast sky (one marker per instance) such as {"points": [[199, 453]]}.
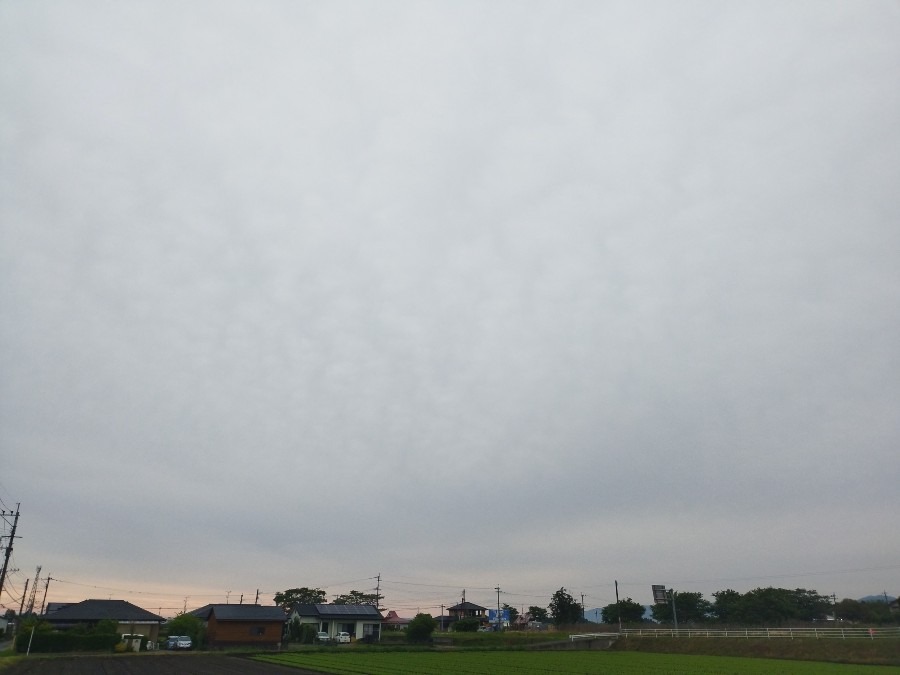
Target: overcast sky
{"points": [[465, 294]]}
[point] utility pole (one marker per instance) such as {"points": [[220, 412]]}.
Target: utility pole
{"points": [[24, 594], [378, 591], [618, 606], [674, 611], [46, 588], [242, 599], [9, 545], [498, 607], [256, 602], [442, 618], [583, 617]]}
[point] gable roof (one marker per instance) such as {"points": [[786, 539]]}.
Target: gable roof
{"points": [[335, 612], [240, 612], [98, 610]]}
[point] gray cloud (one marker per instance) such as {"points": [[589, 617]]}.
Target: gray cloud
{"points": [[498, 280]]}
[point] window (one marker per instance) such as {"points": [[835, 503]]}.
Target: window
{"points": [[258, 630]]}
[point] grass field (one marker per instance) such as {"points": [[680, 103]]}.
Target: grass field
{"points": [[558, 663]]}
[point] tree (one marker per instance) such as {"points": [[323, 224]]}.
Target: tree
{"points": [[420, 628], [513, 612], [564, 608], [537, 613], [466, 625], [766, 606], [689, 608], [302, 596], [810, 606], [187, 624], [356, 598], [850, 610], [628, 609], [727, 606]]}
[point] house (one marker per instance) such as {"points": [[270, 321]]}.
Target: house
{"points": [[394, 622], [242, 625], [363, 622], [130, 618], [467, 610]]}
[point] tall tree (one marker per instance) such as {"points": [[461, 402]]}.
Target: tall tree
{"points": [[303, 596], [564, 608], [727, 606], [630, 611], [357, 598], [689, 608], [538, 613], [513, 612]]}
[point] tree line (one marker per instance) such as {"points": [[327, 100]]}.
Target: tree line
{"points": [[761, 606]]}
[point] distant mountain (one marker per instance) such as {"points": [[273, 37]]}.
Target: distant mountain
{"points": [[877, 598]]}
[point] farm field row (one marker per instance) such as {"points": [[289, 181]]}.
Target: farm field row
{"points": [[558, 663]]}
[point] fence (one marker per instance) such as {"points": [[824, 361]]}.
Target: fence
{"points": [[790, 633]]}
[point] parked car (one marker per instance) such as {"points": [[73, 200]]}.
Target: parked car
{"points": [[342, 637], [322, 636], [184, 642], [171, 642]]}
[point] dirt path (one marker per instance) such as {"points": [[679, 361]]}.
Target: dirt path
{"points": [[148, 664]]}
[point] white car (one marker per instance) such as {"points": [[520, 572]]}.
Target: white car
{"points": [[184, 642], [342, 637], [322, 636]]}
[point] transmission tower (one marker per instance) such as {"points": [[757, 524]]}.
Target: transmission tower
{"points": [[37, 578]]}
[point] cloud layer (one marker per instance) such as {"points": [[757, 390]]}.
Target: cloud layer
{"points": [[461, 293]]}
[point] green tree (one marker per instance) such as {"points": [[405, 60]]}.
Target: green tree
{"points": [[810, 606], [689, 608], [466, 625], [850, 610], [727, 606], [356, 598], [878, 613], [307, 634], [513, 612], [564, 608], [538, 613], [420, 628], [187, 624], [302, 596], [767, 606], [631, 612]]}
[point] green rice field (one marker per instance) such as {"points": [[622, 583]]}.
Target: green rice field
{"points": [[558, 663]]}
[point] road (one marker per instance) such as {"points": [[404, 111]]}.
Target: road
{"points": [[148, 664]]}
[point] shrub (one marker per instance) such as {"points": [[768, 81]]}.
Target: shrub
{"points": [[420, 628], [466, 625]]}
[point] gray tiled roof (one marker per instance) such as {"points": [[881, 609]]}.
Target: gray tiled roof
{"points": [[98, 610], [334, 612], [226, 612]]}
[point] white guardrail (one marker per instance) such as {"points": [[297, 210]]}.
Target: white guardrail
{"points": [[890, 632]]}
